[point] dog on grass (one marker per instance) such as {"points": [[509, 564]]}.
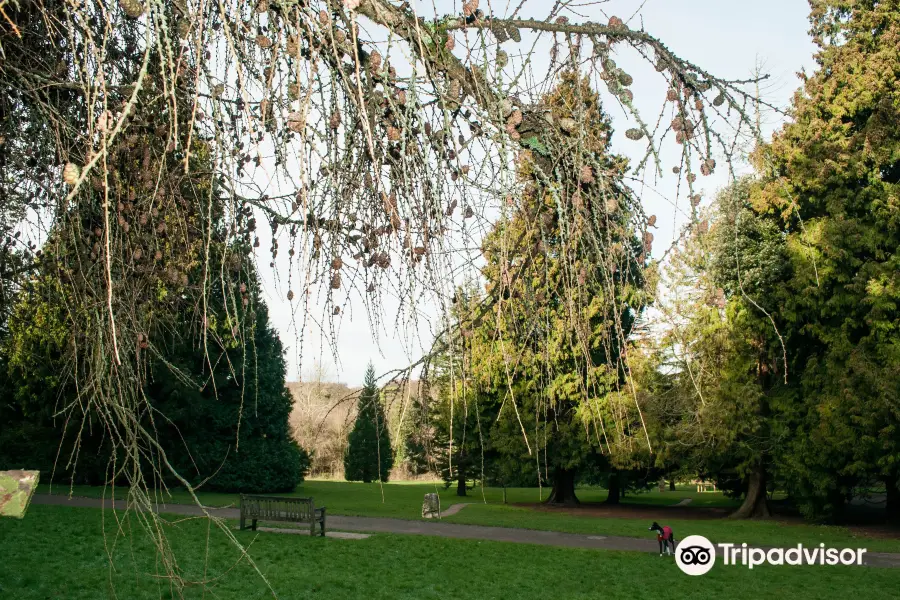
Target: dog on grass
{"points": [[665, 537]]}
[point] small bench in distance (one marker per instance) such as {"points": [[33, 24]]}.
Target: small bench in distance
{"points": [[282, 509]]}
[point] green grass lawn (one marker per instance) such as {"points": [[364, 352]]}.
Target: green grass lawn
{"points": [[404, 501], [61, 553], [763, 533]]}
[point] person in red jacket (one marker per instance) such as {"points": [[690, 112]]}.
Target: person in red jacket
{"points": [[665, 537]]}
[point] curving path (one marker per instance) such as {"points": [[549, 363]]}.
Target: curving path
{"points": [[441, 529], [454, 508]]}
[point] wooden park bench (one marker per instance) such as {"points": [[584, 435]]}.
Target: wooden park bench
{"points": [[283, 509]]}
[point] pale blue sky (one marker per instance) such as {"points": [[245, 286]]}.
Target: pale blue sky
{"points": [[726, 37]]}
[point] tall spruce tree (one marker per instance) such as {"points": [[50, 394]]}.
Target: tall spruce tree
{"points": [[369, 456]]}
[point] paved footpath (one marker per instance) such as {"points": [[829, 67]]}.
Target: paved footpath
{"points": [[442, 529]]}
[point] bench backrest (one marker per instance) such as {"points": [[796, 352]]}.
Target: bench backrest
{"points": [[274, 508]]}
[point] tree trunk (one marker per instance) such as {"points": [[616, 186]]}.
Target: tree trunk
{"points": [[756, 503], [563, 488], [892, 500], [671, 485], [614, 487], [460, 481]]}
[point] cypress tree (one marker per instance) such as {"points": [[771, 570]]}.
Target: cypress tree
{"points": [[369, 455]]}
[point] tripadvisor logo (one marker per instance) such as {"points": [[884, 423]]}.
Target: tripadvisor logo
{"points": [[696, 555]]}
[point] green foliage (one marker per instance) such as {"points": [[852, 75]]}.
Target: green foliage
{"points": [[369, 454], [230, 427], [715, 387], [566, 272], [833, 184], [460, 411], [417, 439], [212, 399], [784, 353]]}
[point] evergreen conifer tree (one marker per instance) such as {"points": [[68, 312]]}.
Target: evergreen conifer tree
{"points": [[369, 455]]}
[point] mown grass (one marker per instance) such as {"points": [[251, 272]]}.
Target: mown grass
{"points": [[762, 533], [61, 553], [404, 501]]}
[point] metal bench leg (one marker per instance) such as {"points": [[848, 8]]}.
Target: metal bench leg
{"points": [[254, 525], [243, 522]]}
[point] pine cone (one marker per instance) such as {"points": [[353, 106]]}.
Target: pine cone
{"points": [[296, 122], [71, 173], [292, 46], [133, 8], [587, 174], [375, 60], [500, 33]]}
